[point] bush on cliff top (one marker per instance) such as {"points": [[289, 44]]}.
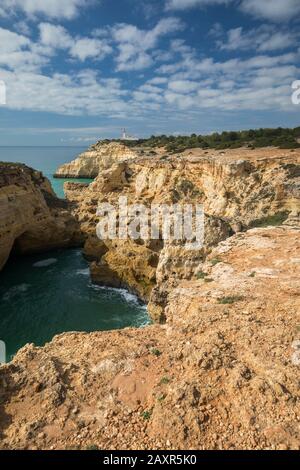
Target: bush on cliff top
{"points": [[280, 137]]}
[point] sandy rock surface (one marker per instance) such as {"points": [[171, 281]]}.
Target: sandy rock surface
{"points": [[220, 374]]}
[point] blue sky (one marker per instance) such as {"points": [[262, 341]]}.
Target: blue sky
{"points": [[80, 70]]}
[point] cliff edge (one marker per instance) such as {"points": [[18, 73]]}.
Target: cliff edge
{"points": [[97, 158], [32, 218], [222, 373], [238, 189]]}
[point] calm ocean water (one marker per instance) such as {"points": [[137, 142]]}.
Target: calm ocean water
{"points": [[45, 159], [51, 293]]}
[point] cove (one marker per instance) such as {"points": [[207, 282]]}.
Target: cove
{"points": [[51, 293], [58, 183]]}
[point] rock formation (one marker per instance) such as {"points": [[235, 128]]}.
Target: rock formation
{"points": [[238, 189], [222, 373], [32, 218], [97, 158]]}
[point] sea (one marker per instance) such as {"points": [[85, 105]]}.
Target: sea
{"points": [[51, 293]]}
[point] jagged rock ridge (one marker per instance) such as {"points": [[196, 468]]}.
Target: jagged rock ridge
{"points": [[238, 189]]}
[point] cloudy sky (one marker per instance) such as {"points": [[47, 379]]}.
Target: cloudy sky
{"points": [[79, 70]]}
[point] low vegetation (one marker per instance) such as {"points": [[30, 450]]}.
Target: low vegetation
{"points": [[230, 299], [215, 261], [146, 415], [156, 352], [253, 138], [271, 220], [201, 275], [164, 381]]}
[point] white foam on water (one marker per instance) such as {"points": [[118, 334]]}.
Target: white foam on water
{"points": [[128, 296], [45, 263], [15, 290], [83, 272]]}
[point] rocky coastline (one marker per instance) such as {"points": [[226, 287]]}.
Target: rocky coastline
{"points": [[97, 158], [32, 218], [218, 367], [239, 190]]}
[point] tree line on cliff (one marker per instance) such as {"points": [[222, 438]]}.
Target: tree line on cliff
{"points": [[254, 138]]}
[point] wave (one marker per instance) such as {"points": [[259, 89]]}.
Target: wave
{"points": [[15, 290], [45, 263], [83, 272], [128, 296]]}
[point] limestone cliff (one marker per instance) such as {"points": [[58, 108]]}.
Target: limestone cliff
{"points": [[32, 218], [97, 158], [222, 373], [239, 190]]}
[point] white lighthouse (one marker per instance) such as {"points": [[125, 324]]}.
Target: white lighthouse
{"points": [[126, 136]]}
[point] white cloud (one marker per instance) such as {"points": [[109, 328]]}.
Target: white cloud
{"points": [[67, 9], [216, 30], [12, 42], [21, 27], [183, 86], [184, 4], [188, 84], [147, 39], [277, 41], [54, 36], [158, 81], [262, 39], [261, 82], [135, 44], [57, 37], [85, 48], [18, 51], [81, 139], [60, 93], [272, 10]]}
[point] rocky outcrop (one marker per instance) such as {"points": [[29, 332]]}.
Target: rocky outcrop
{"points": [[97, 158], [239, 190], [222, 373], [32, 218]]}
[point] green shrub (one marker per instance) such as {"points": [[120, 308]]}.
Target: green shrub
{"points": [[252, 138], [146, 415], [230, 299], [273, 220], [201, 275], [164, 381], [215, 261], [156, 352]]}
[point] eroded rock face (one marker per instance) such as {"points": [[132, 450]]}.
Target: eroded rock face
{"points": [[32, 218], [237, 193], [221, 373], [97, 158]]}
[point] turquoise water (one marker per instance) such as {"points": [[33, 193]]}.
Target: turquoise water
{"points": [[58, 183], [45, 159], [51, 293]]}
